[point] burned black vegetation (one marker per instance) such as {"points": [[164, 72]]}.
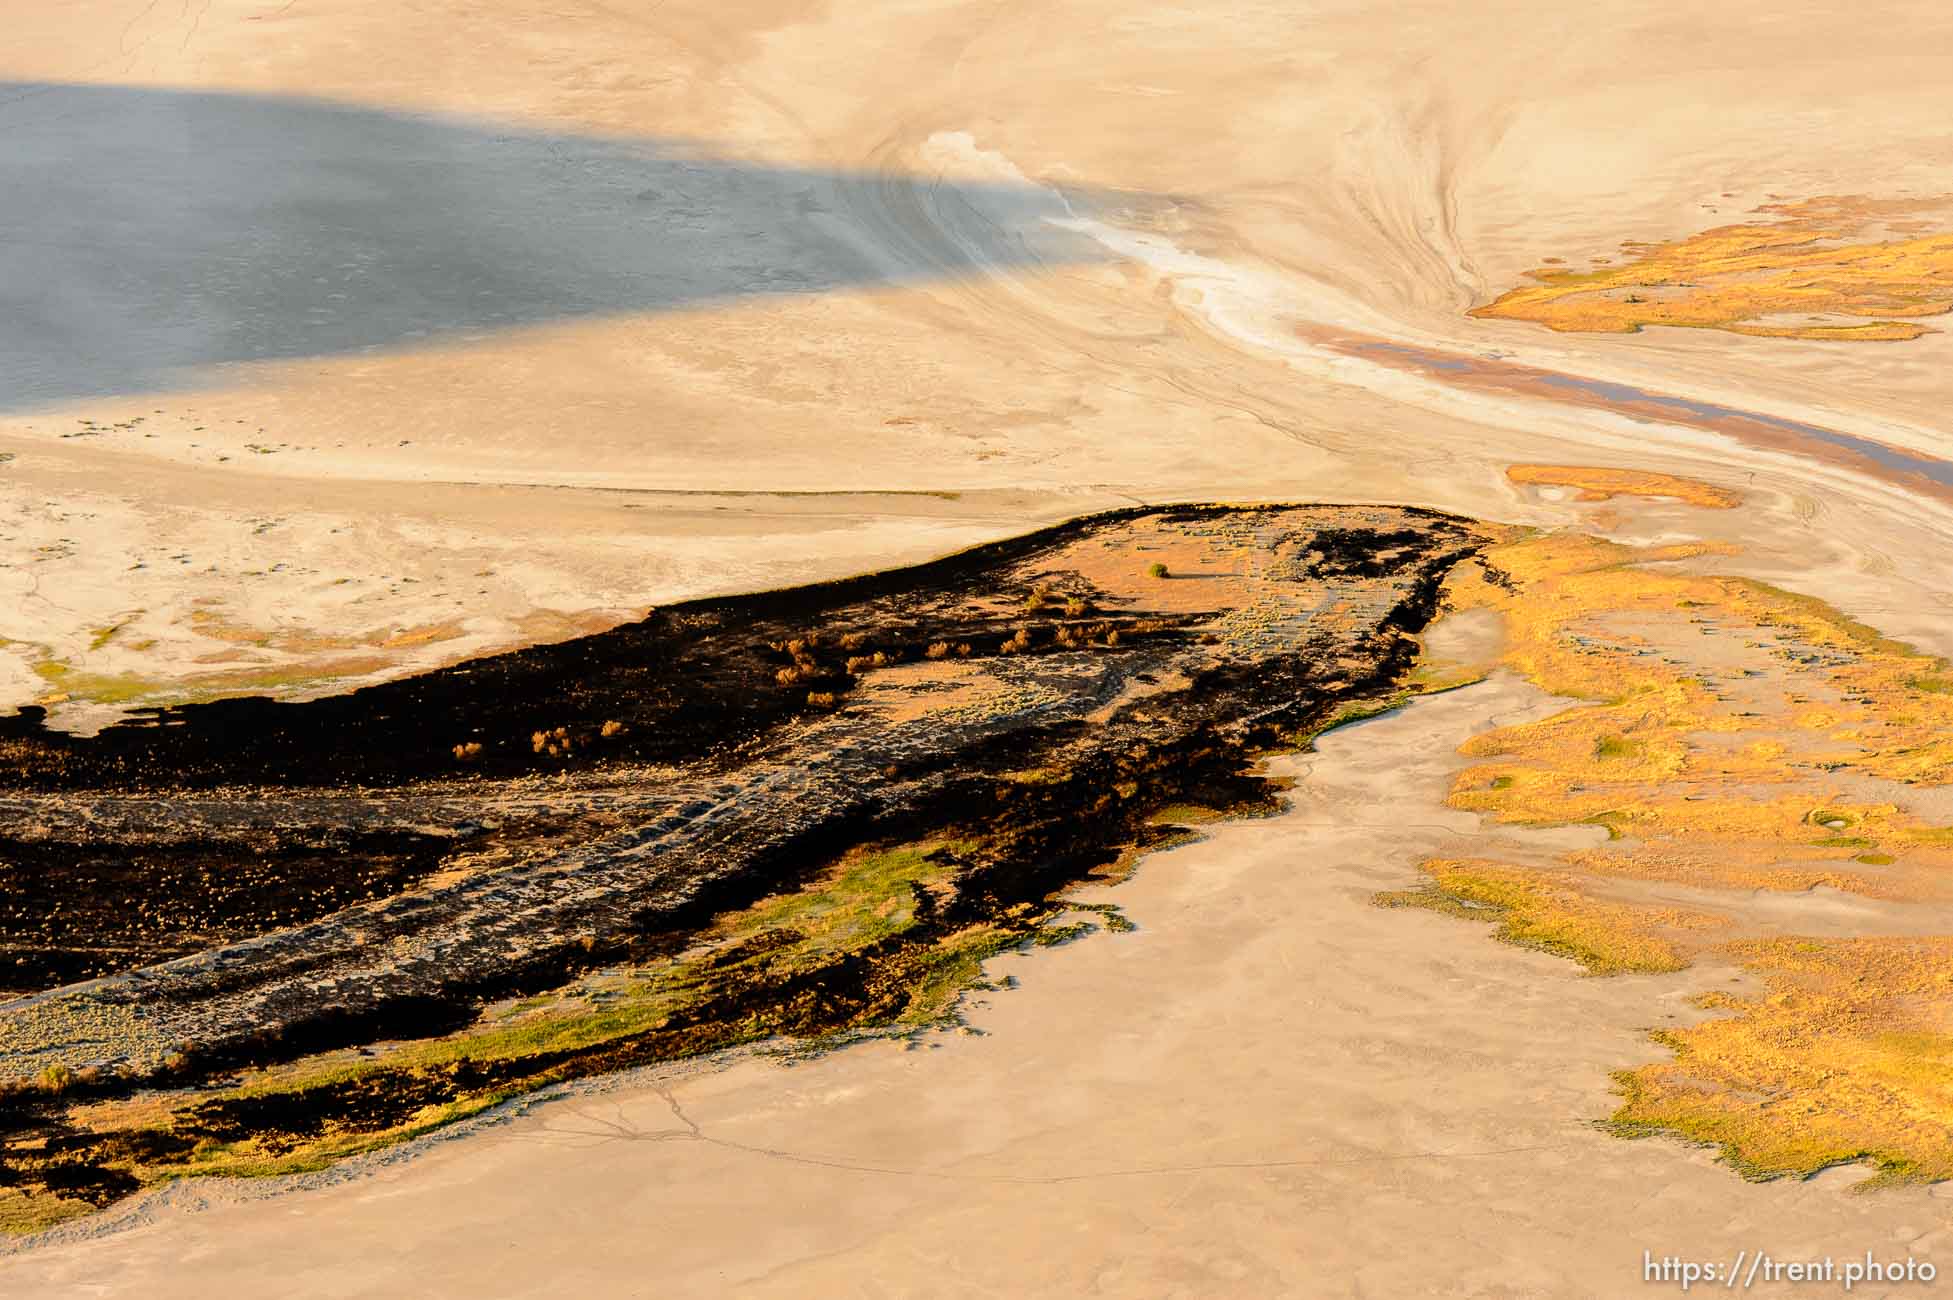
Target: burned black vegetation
{"points": [[248, 881]]}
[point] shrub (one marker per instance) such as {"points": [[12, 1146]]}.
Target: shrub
{"points": [[937, 650], [467, 751], [611, 728], [823, 699], [55, 1078], [1157, 569], [860, 663]]}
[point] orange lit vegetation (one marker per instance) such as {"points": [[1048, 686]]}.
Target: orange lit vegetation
{"points": [[1547, 911], [1730, 737], [1846, 1055], [1597, 483], [1817, 271]]}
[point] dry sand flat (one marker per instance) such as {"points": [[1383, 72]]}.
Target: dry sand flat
{"points": [[1272, 1088]]}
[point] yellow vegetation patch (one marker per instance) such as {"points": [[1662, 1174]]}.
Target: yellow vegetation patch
{"points": [[1713, 864], [1847, 1055], [22, 1213], [1726, 717], [1728, 736], [1790, 277], [1597, 483], [1547, 911]]}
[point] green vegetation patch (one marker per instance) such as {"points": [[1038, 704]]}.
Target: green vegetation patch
{"points": [[791, 965]]}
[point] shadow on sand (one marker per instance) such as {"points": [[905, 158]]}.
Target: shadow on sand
{"points": [[146, 234]]}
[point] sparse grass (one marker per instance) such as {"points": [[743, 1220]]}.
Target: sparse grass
{"points": [[22, 1213], [101, 688], [101, 636], [1546, 912], [1599, 483], [1353, 712], [1187, 814], [1606, 747]]}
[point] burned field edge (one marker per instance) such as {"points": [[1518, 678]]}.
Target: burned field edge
{"points": [[664, 667], [1010, 820]]}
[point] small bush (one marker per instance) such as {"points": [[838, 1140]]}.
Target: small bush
{"points": [[823, 699], [611, 728], [860, 663], [937, 650], [56, 1078], [1157, 570], [467, 751]]}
